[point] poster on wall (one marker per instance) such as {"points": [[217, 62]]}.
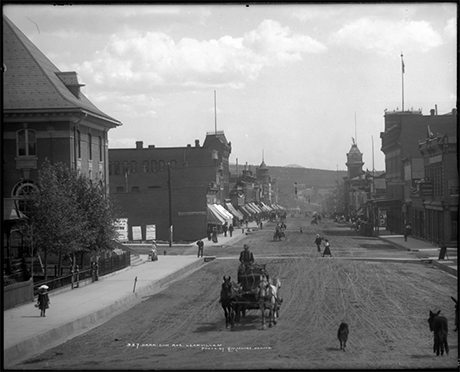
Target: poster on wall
{"points": [[137, 233], [121, 226], [150, 232]]}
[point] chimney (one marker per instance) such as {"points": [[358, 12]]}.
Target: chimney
{"points": [[151, 146], [139, 144], [454, 111], [189, 145], [197, 143], [432, 112]]}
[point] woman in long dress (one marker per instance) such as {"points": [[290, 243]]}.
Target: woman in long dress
{"points": [[327, 250], [43, 300]]}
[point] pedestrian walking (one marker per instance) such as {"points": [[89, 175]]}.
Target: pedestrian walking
{"points": [[209, 231], [327, 250], [214, 234], [318, 242], [200, 245], [230, 230], [407, 231], [225, 228], [43, 300]]}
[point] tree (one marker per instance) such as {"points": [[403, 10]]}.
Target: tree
{"points": [[68, 214]]}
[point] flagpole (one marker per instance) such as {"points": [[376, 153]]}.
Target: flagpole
{"points": [[402, 75]]}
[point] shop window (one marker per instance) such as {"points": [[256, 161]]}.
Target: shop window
{"points": [[26, 142]]}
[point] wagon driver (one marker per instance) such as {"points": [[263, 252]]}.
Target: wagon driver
{"points": [[246, 256]]}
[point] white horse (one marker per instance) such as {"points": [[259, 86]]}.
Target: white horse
{"points": [[267, 296], [278, 300]]}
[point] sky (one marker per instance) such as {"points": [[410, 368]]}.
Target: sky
{"points": [[287, 83]]}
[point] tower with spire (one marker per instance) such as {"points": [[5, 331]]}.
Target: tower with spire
{"points": [[354, 161]]}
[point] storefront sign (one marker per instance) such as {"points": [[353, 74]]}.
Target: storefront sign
{"points": [[121, 225], [426, 188], [137, 233], [150, 232]]}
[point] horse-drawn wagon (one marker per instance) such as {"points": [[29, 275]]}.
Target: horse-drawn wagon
{"points": [[254, 291]]}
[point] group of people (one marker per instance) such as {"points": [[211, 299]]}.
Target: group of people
{"points": [[327, 250]]}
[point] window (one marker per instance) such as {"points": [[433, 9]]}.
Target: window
{"points": [[21, 191], [161, 164], [120, 189], [100, 148], [133, 166], [145, 166], [135, 189], [125, 167], [78, 144], [154, 166], [26, 142], [90, 149], [116, 167], [173, 164]]}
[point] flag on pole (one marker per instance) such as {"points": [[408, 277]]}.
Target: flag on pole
{"points": [[402, 64]]}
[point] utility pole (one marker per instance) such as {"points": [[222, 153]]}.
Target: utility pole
{"points": [[170, 206]]}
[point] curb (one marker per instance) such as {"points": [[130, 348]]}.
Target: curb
{"points": [[49, 339], [435, 263]]}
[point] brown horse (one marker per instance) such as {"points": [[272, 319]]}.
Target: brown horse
{"points": [[226, 299], [438, 325]]}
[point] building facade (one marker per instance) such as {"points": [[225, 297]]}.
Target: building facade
{"points": [[174, 189], [403, 160]]}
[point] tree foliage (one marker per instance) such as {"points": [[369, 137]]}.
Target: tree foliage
{"points": [[68, 213]]}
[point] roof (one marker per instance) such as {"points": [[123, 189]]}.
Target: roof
{"points": [[32, 83]]}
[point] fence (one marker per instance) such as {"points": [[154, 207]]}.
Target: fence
{"points": [[24, 292]]}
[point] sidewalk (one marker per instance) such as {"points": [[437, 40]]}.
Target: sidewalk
{"points": [[73, 312], [425, 250]]}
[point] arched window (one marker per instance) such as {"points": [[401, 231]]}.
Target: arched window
{"points": [[100, 149], [21, 191], [154, 166], [26, 142], [145, 166], [90, 147], [78, 144], [173, 164], [125, 167], [161, 165], [116, 169], [133, 166]]}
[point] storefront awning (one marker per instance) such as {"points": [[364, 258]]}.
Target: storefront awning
{"points": [[213, 216], [256, 207], [245, 211], [232, 210], [10, 210], [249, 207], [228, 217]]}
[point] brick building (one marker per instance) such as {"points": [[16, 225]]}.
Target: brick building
{"points": [[435, 203], [404, 164], [183, 187], [45, 115]]}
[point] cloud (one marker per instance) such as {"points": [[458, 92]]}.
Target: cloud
{"points": [[135, 61], [451, 29], [386, 36]]}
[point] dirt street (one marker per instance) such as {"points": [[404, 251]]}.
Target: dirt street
{"points": [[385, 304]]}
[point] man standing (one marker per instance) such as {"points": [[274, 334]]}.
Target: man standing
{"points": [[407, 231], [230, 230], [318, 241], [200, 245], [225, 228]]}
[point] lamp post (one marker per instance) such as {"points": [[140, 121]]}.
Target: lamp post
{"points": [[170, 209]]}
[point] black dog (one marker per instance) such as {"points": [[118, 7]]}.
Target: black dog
{"points": [[342, 335]]}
